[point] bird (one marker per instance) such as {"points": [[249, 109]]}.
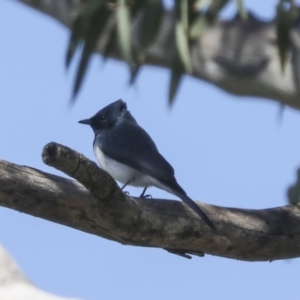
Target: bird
{"points": [[128, 153]]}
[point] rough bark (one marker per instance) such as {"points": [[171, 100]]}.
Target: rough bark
{"points": [[95, 204], [236, 56]]}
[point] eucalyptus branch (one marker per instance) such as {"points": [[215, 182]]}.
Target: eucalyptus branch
{"points": [[95, 204], [240, 57]]}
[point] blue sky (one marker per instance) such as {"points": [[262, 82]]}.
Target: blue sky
{"points": [[225, 151]]}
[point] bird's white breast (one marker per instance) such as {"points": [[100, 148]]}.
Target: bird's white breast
{"points": [[125, 174], [118, 171]]}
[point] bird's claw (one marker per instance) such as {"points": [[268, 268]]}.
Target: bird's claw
{"points": [[183, 253], [146, 196]]}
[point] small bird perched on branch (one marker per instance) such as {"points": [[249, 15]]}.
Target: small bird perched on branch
{"points": [[127, 152]]}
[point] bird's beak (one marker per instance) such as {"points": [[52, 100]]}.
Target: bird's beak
{"points": [[86, 121]]}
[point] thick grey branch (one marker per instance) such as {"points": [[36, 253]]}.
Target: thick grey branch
{"points": [[98, 206], [239, 57]]}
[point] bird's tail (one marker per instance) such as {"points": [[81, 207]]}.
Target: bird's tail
{"points": [[189, 202]]}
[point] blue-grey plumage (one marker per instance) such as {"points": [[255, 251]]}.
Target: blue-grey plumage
{"points": [[130, 156]]}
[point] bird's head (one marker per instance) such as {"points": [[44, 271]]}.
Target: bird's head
{"points": [[109, 116]]}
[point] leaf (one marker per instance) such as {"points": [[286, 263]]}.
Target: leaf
{"points": [[214, 9], [181, 34], [88, 28], [134, 71], [151, 14], [73, 44], [206, 18], [241, 9], [198, 27], [123, 29], [111, 42], [284, 25], [84, 60], [201, 4], [174, 85], [79, 27]]}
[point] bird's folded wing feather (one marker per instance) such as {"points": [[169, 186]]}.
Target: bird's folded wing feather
{"points": [[137, 150]]}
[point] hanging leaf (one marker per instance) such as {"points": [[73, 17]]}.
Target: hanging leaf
{"points": [[177, 72], [198, 26], [206, 17], [81, 26], [134, 71], [293, 191], [284, 24], [214, 9], [181, 34], [87, 28], [241, 9], [174, 85], [201, 4], [151, 13], [97, 24], [123, 29], [74, 42], [111, 41]]}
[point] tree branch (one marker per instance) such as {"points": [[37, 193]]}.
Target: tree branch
{"points": [[237, 56], [97, 205]]}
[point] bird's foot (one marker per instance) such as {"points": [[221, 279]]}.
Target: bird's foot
{"points": [[146, 196], [184, 253], [142, 195]]}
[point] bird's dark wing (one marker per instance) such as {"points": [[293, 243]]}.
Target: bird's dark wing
{"points": [[135, 149]]}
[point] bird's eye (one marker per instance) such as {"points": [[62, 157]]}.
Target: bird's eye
{"points": [[102, 118]]}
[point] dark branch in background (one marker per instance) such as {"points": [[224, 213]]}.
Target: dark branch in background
{"points": [[95, 204], [240, 57]]}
